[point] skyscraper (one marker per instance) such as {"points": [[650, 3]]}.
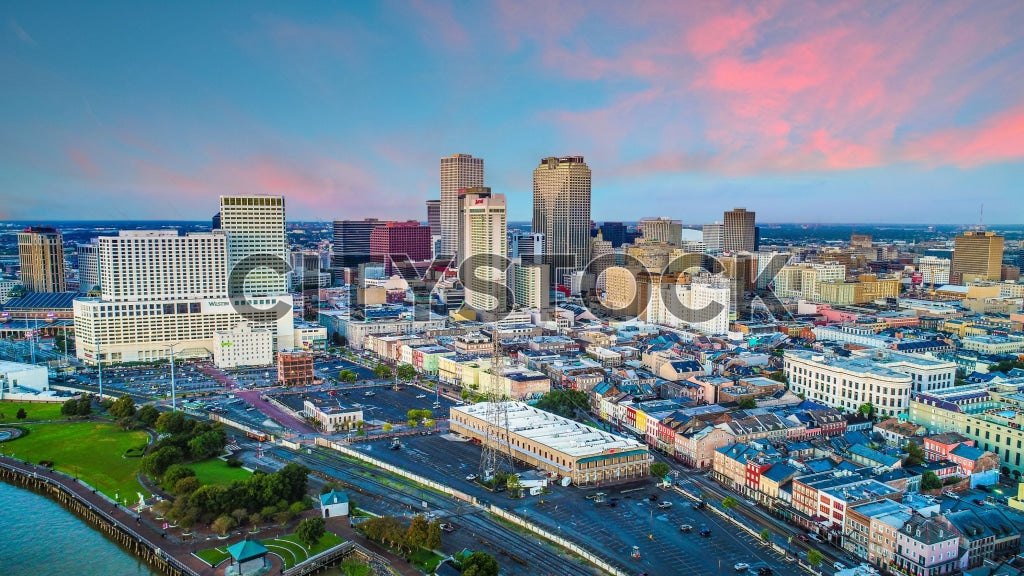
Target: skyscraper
{"points": [[662, 230], [351, 244], [434, 217], [458, 172], [977, 256], [258, 242], [41, 253], [88, 266], [712, 234], [561, 211], [614, 232], [398, 241], [483, 244], [738, 231]]}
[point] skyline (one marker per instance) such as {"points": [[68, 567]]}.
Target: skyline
{"points": [[798, 112]]}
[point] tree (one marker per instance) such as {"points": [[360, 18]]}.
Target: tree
{"points": [[170, 423], [416, 534], [728, 503], [465, 394], [434, 535], [21, 415], [814, 557], [387, 427], [867, 410], [382, 371], [240, 515], [126, 423], [174, 473], [748, 403], [222, 524], [406, 372], [327, 488], [930, 481], [186, 486], [123, 407], [915, 455], [147, 414], [480, 564], [766, 535], [659, 469], [347, 376], [565, 403], [206, 444], [779, 376], [310, 531], [70, 407]]}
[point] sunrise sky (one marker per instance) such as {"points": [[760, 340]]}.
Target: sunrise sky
{"points": [[802, 111]]}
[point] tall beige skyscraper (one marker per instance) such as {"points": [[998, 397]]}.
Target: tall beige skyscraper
{"points": [[458, 172], [257, 242], [41, 254], [662, 230], [738, 231], [977, 256], [561, 210], [483, 244]]}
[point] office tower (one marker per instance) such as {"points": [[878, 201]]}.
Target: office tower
{"points": [[531, 285], [757, 238], [713, 238], [161, 290], [738, 231], [351, 244], [397, 242], [434, 217], [934, 271], [528, 246], [41, 253], [257, 244], [561, 211], [708, 308], [977, 256], [768, 266], [614, 232], [305, 269], [458, 172], [215, 222], [483, 244], [88, 266], [662, 230]]}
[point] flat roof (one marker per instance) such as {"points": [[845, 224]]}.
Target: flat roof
{"points": [[561, 434]]}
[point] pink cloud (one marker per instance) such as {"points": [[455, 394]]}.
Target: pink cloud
{"points": [[439, 21], [84, 161], [999, 138], [719, 33]]}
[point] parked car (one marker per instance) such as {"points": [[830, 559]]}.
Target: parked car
{"points": [[839, 566], [705, 533], [741, 566], [471, 477], [802, 537], [686, 528], [664, 504], [764, 571], [447, 527]]}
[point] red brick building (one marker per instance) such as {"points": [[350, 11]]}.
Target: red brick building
{"points": [[294, 368], [400, 241]]}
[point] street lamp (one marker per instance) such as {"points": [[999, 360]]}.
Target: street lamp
{"points": [[174, 397]]}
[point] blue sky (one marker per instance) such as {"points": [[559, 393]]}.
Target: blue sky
{"points": [[802, 111]]}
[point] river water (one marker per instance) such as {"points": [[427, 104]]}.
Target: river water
{"points": [[38, 536]]}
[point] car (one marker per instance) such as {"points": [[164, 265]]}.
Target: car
{"points": [[705, 533], [421, 395], [447, 527], [741, 566], [764, 571], [700, 505], [949, 494], [802, 537], [664, 504], [471, 477], [686, 528], [813, 536], [369, 393], [979, 501], [839, 566]]}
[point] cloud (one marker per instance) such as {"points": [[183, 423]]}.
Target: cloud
{"points": [[84, 162], [20, 33], [999, 138]]}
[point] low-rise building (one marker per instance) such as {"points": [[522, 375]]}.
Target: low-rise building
{"points": [[295, 368], [927, 547], [557, 445], [243, 345], [331, 415]]}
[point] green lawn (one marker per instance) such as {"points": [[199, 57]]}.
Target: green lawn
{"points": [[90, 450], [213, 556], [327, 541], [355, 569], [292, 551], [425, 560], [33, 411], [217, 471]]}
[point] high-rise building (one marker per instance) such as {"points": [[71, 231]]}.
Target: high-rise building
{"points": [[257, 244], [934, 271], [860, 240], [483, 244], [712, 234], [434, 217], [88, 266], [395, 242], [738, 231], [662, 230], [161, 290], [531, 285], [614, 232], [305, 274], [528, 246], [351, 246], [458, 172], [977, 256], [41, 253], [561, 211]]}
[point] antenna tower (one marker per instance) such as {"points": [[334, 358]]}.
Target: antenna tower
{"points": [[496, 452]]}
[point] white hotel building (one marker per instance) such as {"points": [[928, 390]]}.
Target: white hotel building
{"points": [[884, 378], [160, 289]]}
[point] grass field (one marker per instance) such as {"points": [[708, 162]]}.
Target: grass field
{"points": [[425, 560], [33, 411], [214, 556], [217, 471], [292, 551], [90, 450]]}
